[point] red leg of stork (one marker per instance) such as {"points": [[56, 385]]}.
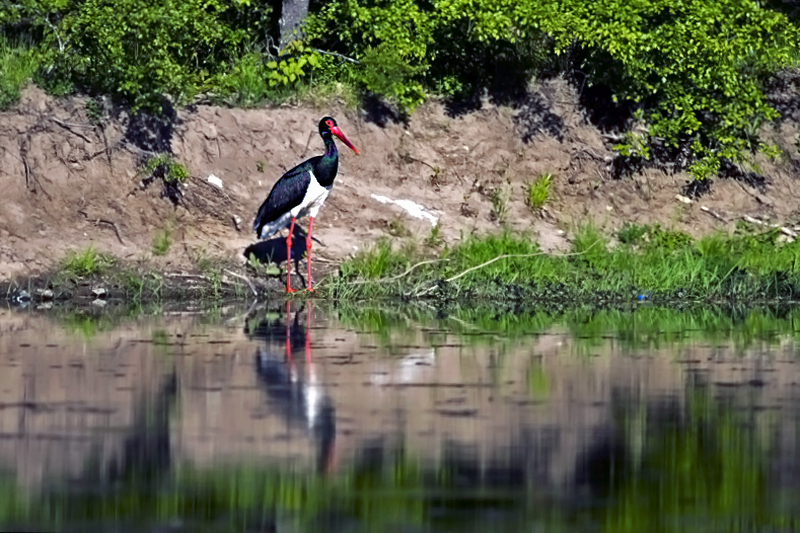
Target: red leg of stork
{"points": [[308, 253], [308, 335], [288, 331], [289, 257]]}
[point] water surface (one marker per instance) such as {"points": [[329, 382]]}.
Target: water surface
{"points": [[293, 417]]}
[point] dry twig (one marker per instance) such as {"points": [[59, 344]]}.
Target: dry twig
{"points": [[245, 279], [393, 278], [71, 129], [104, 221], [713, 214], [499, 257]]}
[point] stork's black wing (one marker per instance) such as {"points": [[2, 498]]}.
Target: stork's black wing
{"points": [[287, 194]]}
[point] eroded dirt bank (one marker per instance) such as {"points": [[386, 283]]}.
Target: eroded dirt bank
{"points": [[68, 183]]}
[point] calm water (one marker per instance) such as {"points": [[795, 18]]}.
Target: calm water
{"points": [[312, 418]]}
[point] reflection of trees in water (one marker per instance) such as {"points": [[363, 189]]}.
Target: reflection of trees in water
{"points": [[145, 453], [673, 459]]}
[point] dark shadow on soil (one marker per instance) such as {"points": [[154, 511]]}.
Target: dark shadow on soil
{"points": [[378, 111], [535, 118], [730, 170], [152, 132], [273, 250], [783, 93], [695, 189]]}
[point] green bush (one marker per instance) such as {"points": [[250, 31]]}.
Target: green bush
{"points": [[691, 71], [143, 51]]}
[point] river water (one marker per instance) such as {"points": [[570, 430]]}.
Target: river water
{"points": [[322, 417]]}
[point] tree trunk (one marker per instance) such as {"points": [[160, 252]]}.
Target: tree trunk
{"points": [[293, 12]]}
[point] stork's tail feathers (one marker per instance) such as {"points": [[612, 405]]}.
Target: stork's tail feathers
{"points": [[269, 229]]}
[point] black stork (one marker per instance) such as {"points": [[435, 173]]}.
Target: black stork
{"points": [[299, 192]]}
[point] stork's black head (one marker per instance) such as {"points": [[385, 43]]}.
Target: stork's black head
{"points": [[327, 126]]}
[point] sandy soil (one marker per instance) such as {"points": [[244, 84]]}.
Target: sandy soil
{"points": [[68, 184]]}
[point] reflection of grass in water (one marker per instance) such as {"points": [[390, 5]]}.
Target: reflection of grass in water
{"points": [[654, 327], [538, 382], [634, 328], [87, 325], [240, 498], [705, 471]]}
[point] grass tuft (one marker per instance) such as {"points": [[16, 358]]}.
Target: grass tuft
{"points": [[499, 210], [162, 242], [18, 63], [539, 191], [88, 262]]}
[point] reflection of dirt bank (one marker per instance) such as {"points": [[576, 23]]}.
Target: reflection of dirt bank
{"points": [[73, 407]]}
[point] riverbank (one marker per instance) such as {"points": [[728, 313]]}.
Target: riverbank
{"points": [[638, 263], [72, 184]]}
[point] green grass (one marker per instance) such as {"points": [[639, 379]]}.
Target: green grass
{"points": [[162, 241], [499, 210], [18, 63], [165, 166], [538, 191], [648, 262], [87, 262]]}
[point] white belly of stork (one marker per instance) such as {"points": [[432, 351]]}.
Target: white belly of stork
{"points": [[315, 196]]}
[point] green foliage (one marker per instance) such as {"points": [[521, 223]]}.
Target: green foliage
{"points": [[88, 262], [17, 66], [162, 241], [262, 269], [374, 262], [499, 210], [652, 236], [658, 263], [539, 191], [143, 52], [167, 168], [694, 70], [388, 39]]}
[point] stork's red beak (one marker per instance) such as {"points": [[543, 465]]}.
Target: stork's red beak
{"points": [[336, 131]]}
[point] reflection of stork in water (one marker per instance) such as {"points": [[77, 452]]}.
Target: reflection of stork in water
{"points": [[292, 385]]}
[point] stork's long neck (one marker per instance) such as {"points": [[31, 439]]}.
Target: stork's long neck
{"points": [[328, 165]]}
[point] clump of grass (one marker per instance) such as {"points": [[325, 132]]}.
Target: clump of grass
{"points": [[652, 236], [375, 262], [95, 111], [499, 210], [650, 262], [539, 191], [397, 228], [262, 269], [172, 174], [167, 168], [434, 240], [162, 242], [18, 63], [88, 262]]}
